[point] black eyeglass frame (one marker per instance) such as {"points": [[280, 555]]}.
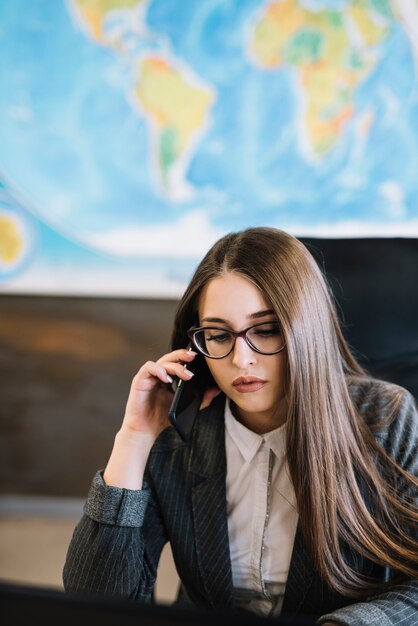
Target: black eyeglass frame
{"points": [[235, 334]]}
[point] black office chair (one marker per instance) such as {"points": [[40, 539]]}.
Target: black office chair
{"points": [[375, 283]]}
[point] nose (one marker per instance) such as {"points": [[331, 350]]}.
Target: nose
{"points": [[242, 354]]}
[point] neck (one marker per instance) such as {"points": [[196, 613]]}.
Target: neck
{"points": [[260, 423]]}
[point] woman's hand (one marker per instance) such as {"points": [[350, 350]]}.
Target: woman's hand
{"points": [[146, 415], [150, 395]]}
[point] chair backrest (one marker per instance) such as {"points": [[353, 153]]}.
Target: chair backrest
{"points": [[375, 282]]}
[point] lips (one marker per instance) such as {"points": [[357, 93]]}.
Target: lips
{"points": [[247, 384]]}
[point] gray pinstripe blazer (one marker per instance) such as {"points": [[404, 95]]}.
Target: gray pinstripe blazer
{"points": [[116, 546]]}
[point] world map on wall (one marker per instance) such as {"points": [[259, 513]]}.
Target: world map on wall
{"points": [[134, 133]]}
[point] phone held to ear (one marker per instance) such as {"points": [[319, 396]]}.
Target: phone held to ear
{"points": [[186, 403]]}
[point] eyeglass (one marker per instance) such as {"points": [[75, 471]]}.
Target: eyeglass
{"points": [[217, 343]]}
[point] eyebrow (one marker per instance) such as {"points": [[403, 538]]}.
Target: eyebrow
{"points": [[252, 316]]}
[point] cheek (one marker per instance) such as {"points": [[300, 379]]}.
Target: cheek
{"points": [[217, 370]]}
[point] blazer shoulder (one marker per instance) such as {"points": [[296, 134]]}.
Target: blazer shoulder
{"points": [[391, 413], [380, 401]]}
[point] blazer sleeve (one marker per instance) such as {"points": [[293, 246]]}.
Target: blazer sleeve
{"points": [[398, 606], [109, 552]]}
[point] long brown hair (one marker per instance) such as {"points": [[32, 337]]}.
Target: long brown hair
{"points": [[330, 449]]}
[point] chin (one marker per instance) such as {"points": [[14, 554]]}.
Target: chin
{"points": [[253, 405]]}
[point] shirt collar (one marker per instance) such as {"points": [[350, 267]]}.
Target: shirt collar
{"points": [[249, 442]]}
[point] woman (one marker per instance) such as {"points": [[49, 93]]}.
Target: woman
{"points": [[296, 490]]}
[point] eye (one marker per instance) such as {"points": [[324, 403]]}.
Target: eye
{"points": [[267, 330], [217, 335]]}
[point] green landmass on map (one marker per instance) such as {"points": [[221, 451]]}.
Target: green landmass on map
{"points": [[332, 53]]}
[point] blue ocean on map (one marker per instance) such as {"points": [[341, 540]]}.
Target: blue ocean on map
{"points": [[133, 134]]}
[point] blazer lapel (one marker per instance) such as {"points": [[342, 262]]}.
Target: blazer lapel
{"points": [[208, 470], [300, 577]]}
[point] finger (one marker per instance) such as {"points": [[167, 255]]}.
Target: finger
{"points": [[178, 369], [162, 370], [152, 372], [149, 374], [178, 356]]}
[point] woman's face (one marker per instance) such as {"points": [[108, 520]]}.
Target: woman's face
{"points": [[233, 302]]}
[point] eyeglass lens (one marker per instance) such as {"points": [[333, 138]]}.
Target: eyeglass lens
{"points": [[218, 342]]}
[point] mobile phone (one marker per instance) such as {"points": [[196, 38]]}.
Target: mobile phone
{"points": [[186, 403]]}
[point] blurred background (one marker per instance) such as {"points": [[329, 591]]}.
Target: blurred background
{"points": [[134, 134]]}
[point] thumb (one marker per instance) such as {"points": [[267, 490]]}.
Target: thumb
{"points": [[208, 396]]}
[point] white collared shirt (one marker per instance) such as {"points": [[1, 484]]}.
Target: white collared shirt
{"points": [[262, 512]]}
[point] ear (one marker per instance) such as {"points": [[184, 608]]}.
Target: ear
{"points": [[208, 396]]}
